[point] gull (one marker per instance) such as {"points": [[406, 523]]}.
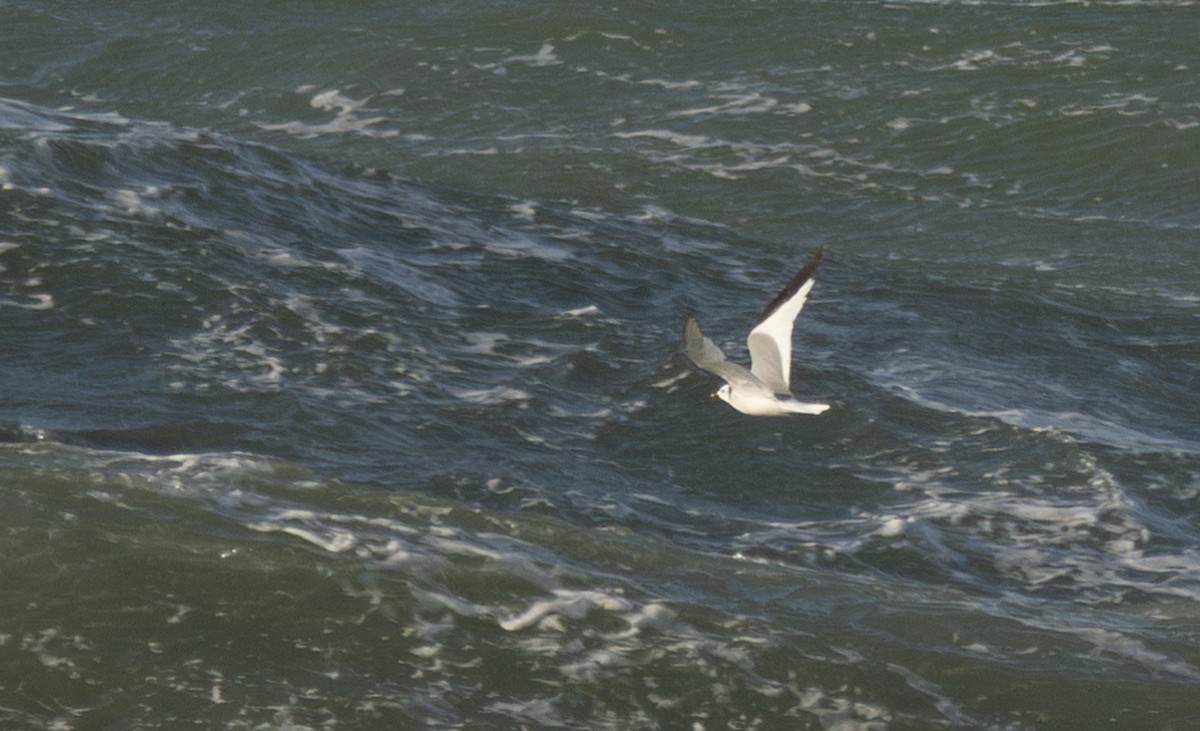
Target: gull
{"points": [[763, 389]]}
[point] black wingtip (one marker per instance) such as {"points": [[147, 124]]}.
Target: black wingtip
{"points": [[806, 273]]}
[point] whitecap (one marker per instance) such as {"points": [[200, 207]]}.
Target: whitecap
{"points": [[346, 119], [683, 140], [568, 603], [333, 99], [525, 210], [34, 301], [545, 56], [797, 108], [492, 396], [586, 311], [740, 104], [483, 342], [134, 202], [667, 84]]}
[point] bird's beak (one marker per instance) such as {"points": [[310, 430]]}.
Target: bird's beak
{"points": [[713, 394]]}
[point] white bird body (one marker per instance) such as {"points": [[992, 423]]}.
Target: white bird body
{"points": [[764, 389]]}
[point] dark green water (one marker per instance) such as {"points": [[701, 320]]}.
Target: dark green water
{"points": [[341, 386]]}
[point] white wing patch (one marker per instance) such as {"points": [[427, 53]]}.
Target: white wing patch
{"points": [[770, 342]]}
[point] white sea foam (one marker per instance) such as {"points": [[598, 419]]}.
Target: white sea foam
{"points": [[32, 301], [796, 108], [334, 100], [349, 118], [135, 202], [683, 140], [739, 104], [664, 83], [525, 210], [586, 311], [484, 342], [546, 56], [494, 395], [567, 603], [245, 362]]}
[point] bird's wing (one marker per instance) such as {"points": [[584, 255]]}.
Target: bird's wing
{"points": [[705, 353], [770, 341]]}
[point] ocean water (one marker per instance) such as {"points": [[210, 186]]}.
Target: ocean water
{"points": [[341, 383]]}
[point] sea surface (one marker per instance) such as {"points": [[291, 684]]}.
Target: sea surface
{"points": [[341, 384]]}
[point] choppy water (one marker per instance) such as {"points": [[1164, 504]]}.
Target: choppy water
{"points": [[340, 383]]}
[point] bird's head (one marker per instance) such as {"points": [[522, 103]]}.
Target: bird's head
{"points": [[722, 393]]}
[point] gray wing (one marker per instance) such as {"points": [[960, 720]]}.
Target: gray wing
{"points": [[705, 353]]}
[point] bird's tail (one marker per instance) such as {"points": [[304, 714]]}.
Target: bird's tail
{"points": [[800, 407]]}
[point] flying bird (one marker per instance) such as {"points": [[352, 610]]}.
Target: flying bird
{"points": [[764, 388]]}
